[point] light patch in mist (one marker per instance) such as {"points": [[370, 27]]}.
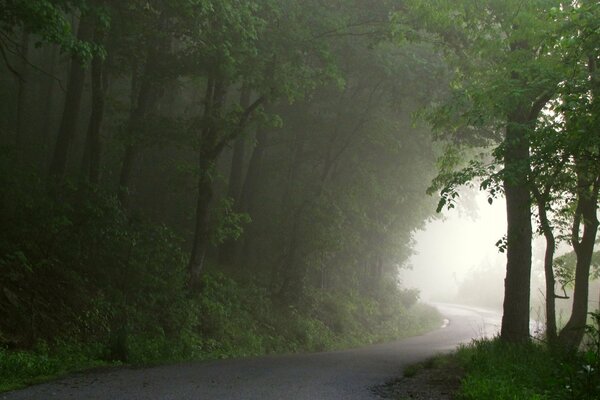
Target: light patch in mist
{"points": [[449, 250]]}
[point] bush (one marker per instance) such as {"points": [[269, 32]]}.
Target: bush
{"points": [[84, 284], [20, 368], [498, 371], [74, 267]]}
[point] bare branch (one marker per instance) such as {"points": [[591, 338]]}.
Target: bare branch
{"points": [[8, 65]]}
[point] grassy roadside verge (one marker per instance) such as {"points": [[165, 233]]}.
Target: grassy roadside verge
{"points": [[23, 368], [493, 370], [496, 371], [232, 331]]}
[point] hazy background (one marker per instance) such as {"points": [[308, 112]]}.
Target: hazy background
{"points": [[456, 258]]}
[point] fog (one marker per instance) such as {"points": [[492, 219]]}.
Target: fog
{"points": [[190, 180], [450, 249], [456, 260]]}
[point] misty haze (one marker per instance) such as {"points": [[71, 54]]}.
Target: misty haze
{"points": [[299, 199]]}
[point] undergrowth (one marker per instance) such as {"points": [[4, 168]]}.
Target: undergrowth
{"points": [[85, 284], [531, 371], [232, 320]]}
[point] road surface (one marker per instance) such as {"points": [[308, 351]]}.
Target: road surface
{"points": [[347, 374]]}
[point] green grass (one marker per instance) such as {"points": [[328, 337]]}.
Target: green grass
{"points": [[22, 368], [229, 329], [530, 371], [436, 362]]}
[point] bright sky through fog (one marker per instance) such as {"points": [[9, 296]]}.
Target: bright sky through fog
{"points": [[448, 248]]}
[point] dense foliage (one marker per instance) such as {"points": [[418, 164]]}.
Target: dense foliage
{"points": [[522, 123], [530, 371], [187, 179]]}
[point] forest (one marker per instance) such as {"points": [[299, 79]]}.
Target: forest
{"points": [[205, 179]]}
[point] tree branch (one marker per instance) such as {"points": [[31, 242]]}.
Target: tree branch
{"points": [[240, 125], [539, 104], [8, 65]]}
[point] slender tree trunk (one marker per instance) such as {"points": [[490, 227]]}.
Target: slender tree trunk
{"points": [[248, 192], [90, 164], [236, 173], [248, 197], [68, 123], [201, 231], [214, 98], [213, 140], [130, 151], [572, 334], [228, 249], [22, 92], [515, 319], [587, 167], [143, 102], [48, 95], [551, 331], [237, 159], [292, 274], [125, 175]]}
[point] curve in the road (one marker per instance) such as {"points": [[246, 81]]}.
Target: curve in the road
{"points": [[344, 374]]}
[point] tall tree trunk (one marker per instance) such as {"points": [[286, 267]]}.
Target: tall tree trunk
{"points": [[47, 94], [125, 175], [228, 249], [572, 334], [249, 194], [209, 135], [90, 164], [21, 92], [515, 319], [213, 139], [202, 229], [237, 158], [70, 115], [292, 274], [129, 154], [253, 174], [587, 168], [551, 332], [143, 101]]}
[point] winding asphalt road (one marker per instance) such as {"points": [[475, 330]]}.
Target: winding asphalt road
{"points": [[347, 374]]}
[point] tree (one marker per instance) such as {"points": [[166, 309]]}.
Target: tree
{"points": [[580, 106], [70, 115], [246, 43], [503, 81]]}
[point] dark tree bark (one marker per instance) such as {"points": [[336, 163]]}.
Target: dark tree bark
{"points": [[515, 319], [551, 331], [587, 168], [129, 154], [125, 175], [146, 90], [541, 199], [70, 115], [237, 158], [213, 139], [228, 249], [248, 197], [21, 92], [90, 164], [292, 274], [253, 174], [202, 225], [586, 214], [45, 128], [213, 104]]}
